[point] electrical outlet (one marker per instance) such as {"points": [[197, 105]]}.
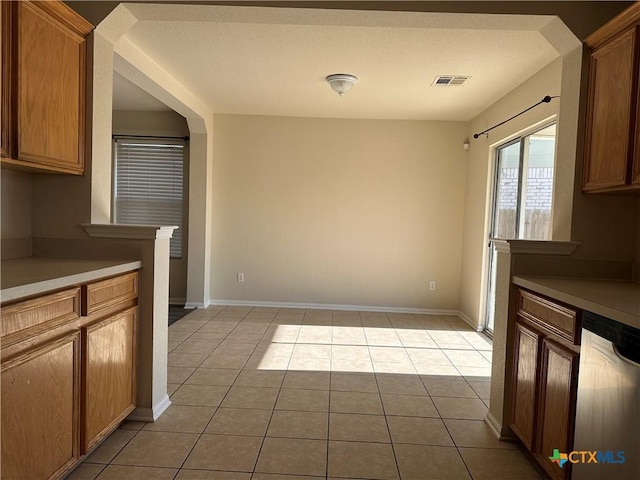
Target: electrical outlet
{"points": [[432, 286], [241, 277]]}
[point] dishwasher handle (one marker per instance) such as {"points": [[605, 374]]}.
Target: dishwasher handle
{"points": [[625, 338], [627, 352]]}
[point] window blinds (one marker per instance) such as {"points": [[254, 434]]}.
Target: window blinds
{"points": [[148, 178]]}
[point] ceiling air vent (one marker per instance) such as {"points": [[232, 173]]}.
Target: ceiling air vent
{"points": [[450, 80]]}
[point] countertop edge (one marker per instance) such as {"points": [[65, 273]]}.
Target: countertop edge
{"points": [[31, 289], [578, 301]]}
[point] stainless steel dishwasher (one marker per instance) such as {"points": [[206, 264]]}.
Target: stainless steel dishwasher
{"points": [[608, 401]]}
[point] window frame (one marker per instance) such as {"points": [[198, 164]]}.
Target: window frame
{"points": [[489, 308], [520, 138]]}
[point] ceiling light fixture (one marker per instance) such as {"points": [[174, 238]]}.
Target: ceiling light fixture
{"points": [[341, 83]]}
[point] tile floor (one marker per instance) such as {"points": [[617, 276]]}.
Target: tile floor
{"points": [[288, 394]]}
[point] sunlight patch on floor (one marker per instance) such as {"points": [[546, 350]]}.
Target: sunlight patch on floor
{"points": [[406, 351]]}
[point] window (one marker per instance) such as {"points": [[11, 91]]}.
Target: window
{"points": [[148, 184], [522, 196], [524, 186]]}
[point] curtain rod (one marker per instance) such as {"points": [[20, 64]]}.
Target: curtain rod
{"points": [[149, 136], [546, 99]]}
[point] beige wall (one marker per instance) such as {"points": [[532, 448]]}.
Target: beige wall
{"points": [[545, 82], [338, 212], [61, 204], [16, 190], [605, 226], [169, 123]]}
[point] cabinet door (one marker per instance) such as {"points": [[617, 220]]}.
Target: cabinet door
{"points": [[556, 406], [109, 372], [635, 166], [50, 87], [527, 347], [609, 123], [40, 410], [6, 75]]}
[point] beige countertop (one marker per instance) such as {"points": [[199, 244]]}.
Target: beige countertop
{"points": [[25, 277], [615, 299]]}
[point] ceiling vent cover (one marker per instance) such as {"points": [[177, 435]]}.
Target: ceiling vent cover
{"points": [[450, 80]]}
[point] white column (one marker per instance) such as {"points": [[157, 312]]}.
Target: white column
{"points": [[507, 251], [199, 257], [497, 416], [153, 302]]}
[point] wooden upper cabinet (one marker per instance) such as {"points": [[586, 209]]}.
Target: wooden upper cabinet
{"points": [[6, 74], [47, 85], [612, 138], [611, 101]]}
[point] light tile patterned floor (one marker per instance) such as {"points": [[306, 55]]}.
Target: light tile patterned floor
{"points": [[289, 394]]}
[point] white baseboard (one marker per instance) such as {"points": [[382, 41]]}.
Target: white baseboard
{"points": [[328, 306], [192, 305], [495, 425], [143, 414], [470, 322], [497, 429]]}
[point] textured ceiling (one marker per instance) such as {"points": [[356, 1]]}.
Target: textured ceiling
{"points": [[240, 64]]}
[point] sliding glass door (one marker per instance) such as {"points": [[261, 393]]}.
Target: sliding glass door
{"points": [[522, 196]]}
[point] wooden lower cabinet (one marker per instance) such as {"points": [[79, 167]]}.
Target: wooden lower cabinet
{"points": [[558, 385], [109, 371], [41, 410], [545, 378], [68, 380], [526, 371]]}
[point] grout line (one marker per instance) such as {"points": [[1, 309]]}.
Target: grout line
{"points": [[458, 450], [386, 421], [326, 465], [271, 322], [119, 450], [217, 407], [104, 467], [273, 409]]}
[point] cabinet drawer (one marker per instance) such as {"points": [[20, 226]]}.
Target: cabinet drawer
{"points": [[557, 318], [106, 293], [50, 309]]}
